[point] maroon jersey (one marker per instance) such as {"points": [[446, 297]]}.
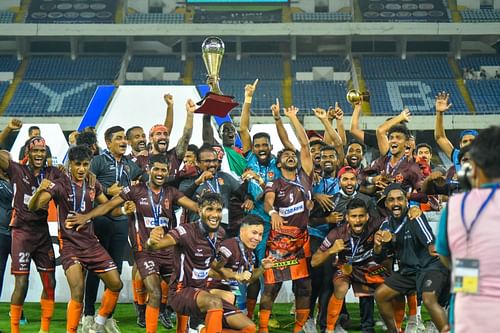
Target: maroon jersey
{"points": [[406, 172], [141, 160], [194, 253], [235, 255], [72, 197], [174, 162], [147, 202], [25, 184], [291, 199]]}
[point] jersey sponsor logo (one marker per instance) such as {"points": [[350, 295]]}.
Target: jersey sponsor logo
{"points": [[92, 194], [225, 251], [286, 263], [199, 253], [399, 178], [199, 274], [149, 222], [181, 230], [126, 189], [144, 202], [292, 210], [26, 180]]}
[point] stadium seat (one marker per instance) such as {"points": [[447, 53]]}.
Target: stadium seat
{"points": [[170, 62], [480, 15], [8, 63], [312, 94], [322, 17], [485, 95], [154, 18], [6, 16]]}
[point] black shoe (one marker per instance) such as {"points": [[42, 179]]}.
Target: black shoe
{"points": [[166, 321], [141, 316]]}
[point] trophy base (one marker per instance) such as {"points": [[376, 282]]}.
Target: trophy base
{"points": [[216, 105]]}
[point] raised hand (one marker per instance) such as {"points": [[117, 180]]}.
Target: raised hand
{"points": [[405, 115], [250, 88], [14, 124], [206, 175], [338, 246], [169, 99], [190, 106], [275, 109], [442, 100], [291, 111], [320, 113], [339, 114]]}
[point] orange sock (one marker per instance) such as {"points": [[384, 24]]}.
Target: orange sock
{"points": [[300, 319], [140, 293], [182, 323], [251, 307], [334, 308], [15, 316], [412, 304], [399, 311], [213, 321], [73, 314], [152, 319], [108, 302], [249, 329], [47, 306], [164, 292], [264, 321]]}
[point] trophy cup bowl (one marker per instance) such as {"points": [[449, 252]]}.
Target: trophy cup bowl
{"points": [[353, 96], [212, 51]]}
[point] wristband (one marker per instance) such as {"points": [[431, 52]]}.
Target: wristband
{"points": [[248, 99], [369, 180], [148, 242], [271, 212], [277, 118], [123, 211]]}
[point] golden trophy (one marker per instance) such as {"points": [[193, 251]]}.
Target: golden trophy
{"points": [[214, 102], [353, 96]]}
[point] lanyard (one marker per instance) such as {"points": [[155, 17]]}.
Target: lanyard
{"points": [[40, 177], [81, 208], [213, 244], [215, 189], [328, 188], [118, 170], [481, 209], [248, 264], [400, 226], [156, 208], [354, 248], [396, 167], [299, 185]]}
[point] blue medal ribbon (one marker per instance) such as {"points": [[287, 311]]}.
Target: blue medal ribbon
{"points": [[468, 229], [82, 200], [156, 208], [118, 166]]}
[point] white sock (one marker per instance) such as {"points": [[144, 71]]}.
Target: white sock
{"points": [[100, 320], [419, 314]]}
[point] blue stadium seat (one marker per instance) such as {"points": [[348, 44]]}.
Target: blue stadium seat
{"points": [[480, 15], [152, 83], [322, 17], [3, 89], [476, 61], [485, 95], [6, 16], [389, 97], [306, 63], [8, 63], [154, 18], [170, 62], [418, 67], [310, 94]]}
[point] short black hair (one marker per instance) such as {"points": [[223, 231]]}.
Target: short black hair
{"points": [[128, 134], [399, 129], [193, 148], [158, 158], [356, 203], [261, 135], [208, 198], [79, 153], [32, 128], [252, 219], [354, 141], [328, 147], [206, 147], [485, 151], [86, 138], [426, 145], [316, 142], [112, 130], [278, 156]]}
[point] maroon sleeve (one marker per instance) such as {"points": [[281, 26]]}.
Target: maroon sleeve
{"points": [[228, 251], [329, 240], [176, 194], [56, 191], [180, 234], [271, 187], [98, 188], [127, 193]]}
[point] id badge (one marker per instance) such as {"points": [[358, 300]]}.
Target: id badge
{"points": [[466, 276], [225, 216]]}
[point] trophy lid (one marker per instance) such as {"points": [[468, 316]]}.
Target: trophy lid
{"points": [[213, 45]]}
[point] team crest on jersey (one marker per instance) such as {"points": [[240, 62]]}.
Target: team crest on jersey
{"points": [[225, 251], [144, 202], [126, 189], [92, 194], [166, 203], [220, 181], [270, 174], [399, 178]]}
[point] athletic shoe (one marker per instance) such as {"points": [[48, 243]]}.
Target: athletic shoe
{"points": [[96, 328], [87, 322], [411, 326], [165, 320], [201, 328], [23, 320], [431, 328], [381, 325], [339, 329], [111, 326], [141, 316], [292, 309], [310, 326], [273, 323]]}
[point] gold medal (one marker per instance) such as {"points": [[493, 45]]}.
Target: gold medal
{"points": [[347, 269], [386, 236]]}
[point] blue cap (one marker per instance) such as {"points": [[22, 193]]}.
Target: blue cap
{"points": [[468, 132]]}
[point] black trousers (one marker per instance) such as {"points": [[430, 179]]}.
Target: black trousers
{"points": [[5, 243], [366, 306], [113, 236]]}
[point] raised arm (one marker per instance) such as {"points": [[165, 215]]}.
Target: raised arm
{"points": [[183, 142], [355, 130], [305, 152], [208, 131], [382, 140], [322, 115], [13, 125], [169, 117], [188, 204], [320, 256], [246, 140], [439, 135], [4, 159], [275, 108], [339, 117], [41, 197]]}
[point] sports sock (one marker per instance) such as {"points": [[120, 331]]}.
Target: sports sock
{"points": [[140, 292], [73, 314], [164, 292], [47, 306], [301, 316], [15, 316], [412, 304], [334, 308], [108, 303], [152, 319], [264, 321], [182, 323], [213, 320], [251, 307], [399, 311]]}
